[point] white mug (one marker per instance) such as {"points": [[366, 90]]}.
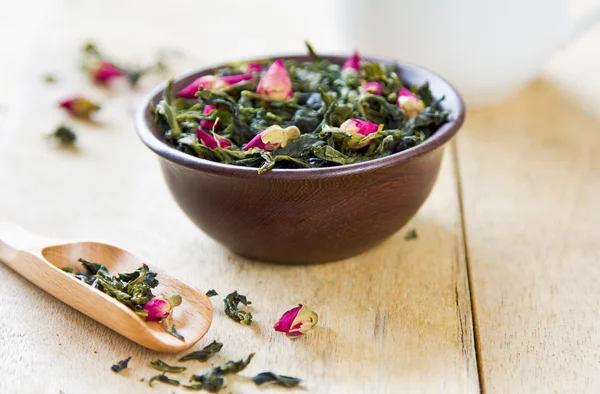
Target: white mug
{"points": [[487, 49]]}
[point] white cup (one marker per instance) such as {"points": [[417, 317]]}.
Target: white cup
{"points": [[487, 49]]}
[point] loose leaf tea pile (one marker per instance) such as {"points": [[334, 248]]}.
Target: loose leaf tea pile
{"points": [[133, 289], [290, 114]]}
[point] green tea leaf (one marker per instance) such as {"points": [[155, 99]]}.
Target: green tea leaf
{"points": [[211, 293], [121, 365], [231, 367], [173, 331], [209, 381], [194, 386], [213, 381], [231, 308], [281, 380], [411, 234], [162, 366], [163, 379], [205, 354]]}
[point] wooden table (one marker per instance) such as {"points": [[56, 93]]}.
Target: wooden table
{"points": [[498, 294]]}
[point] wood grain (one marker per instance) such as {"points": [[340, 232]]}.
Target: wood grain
{"points": [[396, 319], [41, 262], [530, 174]]}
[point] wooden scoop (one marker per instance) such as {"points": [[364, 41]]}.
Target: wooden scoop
{"points": [[40, 260]]}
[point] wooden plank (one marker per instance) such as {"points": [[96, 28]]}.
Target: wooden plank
{"points": [[396, 319], [530, 173]]}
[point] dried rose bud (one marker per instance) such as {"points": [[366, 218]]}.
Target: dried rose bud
{"points": [[372, 87], [409, 103], [276, 82], [229, 80], [209, 124], [103, 72], [80, 107], [358, 129], [210, 140], [353, 63], [254, 68], [158, 309], [207, 82], [297, 321], [273, 137]]}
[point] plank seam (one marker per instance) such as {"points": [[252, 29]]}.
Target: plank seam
{"points": [[476, 333]]}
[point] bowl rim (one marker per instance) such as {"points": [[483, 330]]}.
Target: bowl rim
{"points": [[164, 150]]}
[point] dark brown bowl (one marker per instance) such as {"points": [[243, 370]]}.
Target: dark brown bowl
{"points": [[304, 215]]}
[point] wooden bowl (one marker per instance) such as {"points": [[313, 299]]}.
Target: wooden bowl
{"points": [[311, 215]]}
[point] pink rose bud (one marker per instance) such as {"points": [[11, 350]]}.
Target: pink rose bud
{"points": [[190, 91], [353, 62], [297, 321], [254, 68], [158, 309], [276, 82], [103, 72], [273, 137], [373, 88], [358, 129], [409, 103], [210, 140], [209, 124], [229, 80], [257, 142], [357, 126], [80, 107]]}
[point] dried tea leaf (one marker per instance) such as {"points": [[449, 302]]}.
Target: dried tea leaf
{"points": [[213, 381], [121, 365], [209, 381], [173, 331], [281, 380], [205, 354], [163, 379], [231, 367], [162, 366], [194, 386], [65, 136], [212, 293], [50, 78], [411, 234], [231, 308]]}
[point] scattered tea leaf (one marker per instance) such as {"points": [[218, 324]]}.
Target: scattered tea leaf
{"points": [[193, 386], [411, 234], [212, 293], [270, 377], [163, 379], [65, 136], [162, 366], [231, 308], [121, 365], [209, 381], [231, 367], [213, 381], [50, 78], [173, 331], [205, 354]]}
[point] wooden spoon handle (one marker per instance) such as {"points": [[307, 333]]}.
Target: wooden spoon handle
{"points": [[14, 239]]}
